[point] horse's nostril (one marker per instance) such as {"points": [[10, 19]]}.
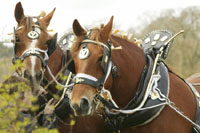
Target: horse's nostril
{"points": [[39, 76], [84, 104], [26, 74]]}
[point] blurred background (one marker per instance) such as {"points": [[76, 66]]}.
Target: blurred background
{"points": [[131, 17]]}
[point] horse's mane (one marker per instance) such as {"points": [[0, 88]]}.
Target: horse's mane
{"points": [[120, 38]]}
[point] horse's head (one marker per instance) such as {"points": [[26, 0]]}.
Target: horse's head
{"points": [[32, 44], [91, 53]]}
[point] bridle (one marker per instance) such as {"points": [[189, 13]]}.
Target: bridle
{"points": [[106, 64], [34, 34], [108, 68]]}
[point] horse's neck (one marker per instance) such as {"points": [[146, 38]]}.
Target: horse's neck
{"points": [[130, 64], [54, 62]]}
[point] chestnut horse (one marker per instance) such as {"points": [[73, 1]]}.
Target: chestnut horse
{"points": [[90, 53], [37, 49]]}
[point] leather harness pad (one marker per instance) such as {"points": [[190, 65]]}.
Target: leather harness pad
{"points": [[155, 40], [121, 121]]}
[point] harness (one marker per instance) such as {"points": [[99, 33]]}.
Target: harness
{"points": [[152, 94], [153, 88], [34, 34]]}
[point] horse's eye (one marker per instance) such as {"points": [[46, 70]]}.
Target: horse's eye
{"points": [[100, 58], [17, 39]]}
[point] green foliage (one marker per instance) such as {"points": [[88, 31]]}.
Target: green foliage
{"points": [[10, 108], [12, 103], [45, 130], [17, 65]]}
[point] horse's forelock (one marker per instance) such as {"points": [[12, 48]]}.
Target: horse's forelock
{"points": [[27, 22], [95, 35], [120, 37]]}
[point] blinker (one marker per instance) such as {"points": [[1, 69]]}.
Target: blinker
{"points": [[51, 44]]}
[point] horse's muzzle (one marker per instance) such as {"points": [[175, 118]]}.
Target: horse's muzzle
{"points": [[35, 80], [37, 77], [83, 108]]}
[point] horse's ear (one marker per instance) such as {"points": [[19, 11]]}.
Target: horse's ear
{"points": [[107, 29], [48, 17], [19, 12], [77, 29]]}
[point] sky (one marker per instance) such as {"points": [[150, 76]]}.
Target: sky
{"points": [[127, 13]]}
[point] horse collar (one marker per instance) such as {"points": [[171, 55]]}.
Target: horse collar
{"points": [[126, 117]]}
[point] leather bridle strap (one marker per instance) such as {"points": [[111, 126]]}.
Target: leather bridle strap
{"points": [[33, 52], [82, 78], [95, 42]]}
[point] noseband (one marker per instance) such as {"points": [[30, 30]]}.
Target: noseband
{"points": [[34, 34]]}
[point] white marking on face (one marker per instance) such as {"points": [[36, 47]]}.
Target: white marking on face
{"points": [[33, 58]]}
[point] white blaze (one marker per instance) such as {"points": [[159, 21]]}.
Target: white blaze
{"points": [[33, 58]]}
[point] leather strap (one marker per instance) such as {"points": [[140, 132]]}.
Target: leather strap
{"points": [[197, 115]]}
